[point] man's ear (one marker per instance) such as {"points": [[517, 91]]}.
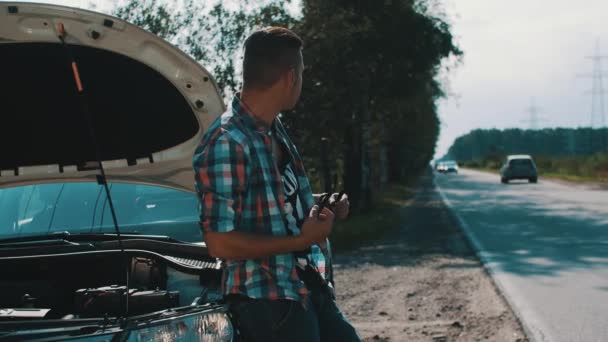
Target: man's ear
{"points": [[292, 77]]}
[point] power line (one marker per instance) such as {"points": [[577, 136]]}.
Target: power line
{"points": [[598, 116], [598, 111], [534, 119]]}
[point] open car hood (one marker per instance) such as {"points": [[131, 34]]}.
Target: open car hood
{"points": [[150, 103]]}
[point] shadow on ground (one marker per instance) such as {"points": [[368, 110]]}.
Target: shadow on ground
{"points": [[423, 233], [528, 232]]}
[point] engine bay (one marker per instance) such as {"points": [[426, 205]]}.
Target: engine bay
{"points": [[93, 285]]}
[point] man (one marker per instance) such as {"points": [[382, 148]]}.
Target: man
{"points": [[258, 212]]}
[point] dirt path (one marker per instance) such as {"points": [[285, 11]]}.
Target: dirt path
{"points": [[422, 282]]}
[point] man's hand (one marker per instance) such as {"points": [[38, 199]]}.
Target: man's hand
{"points": [[339, 206], [237, 245], [317, 226]]}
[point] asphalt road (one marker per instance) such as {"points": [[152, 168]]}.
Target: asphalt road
{"points": [[546, 246]]}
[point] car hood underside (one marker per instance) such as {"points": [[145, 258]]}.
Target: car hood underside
{"points": [[149, 103]]}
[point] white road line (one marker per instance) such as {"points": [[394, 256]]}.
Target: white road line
{"points": [[534, 334]]}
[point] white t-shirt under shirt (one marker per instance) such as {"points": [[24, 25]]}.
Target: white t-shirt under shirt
{"points": [[294, 210]]}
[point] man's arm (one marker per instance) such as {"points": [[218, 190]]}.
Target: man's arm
{"points": [[237, 245], [221, 176]]}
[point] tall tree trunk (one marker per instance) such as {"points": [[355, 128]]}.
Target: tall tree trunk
{"points": [[352, 165], [365, 123], [366, 165]]}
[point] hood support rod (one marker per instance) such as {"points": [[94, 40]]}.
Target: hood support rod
{"points": [[101, 177]]}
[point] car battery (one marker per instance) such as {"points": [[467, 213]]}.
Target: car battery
{"points": [[110, 300]]}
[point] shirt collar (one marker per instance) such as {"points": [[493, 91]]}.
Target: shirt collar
{"points": [[240, 109]]}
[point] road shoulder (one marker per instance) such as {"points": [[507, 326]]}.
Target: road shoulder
{"points": [[423, 282], [486, 262]]}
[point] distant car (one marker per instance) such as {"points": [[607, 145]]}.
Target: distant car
{"points": [[447, 167], [519, 167]]}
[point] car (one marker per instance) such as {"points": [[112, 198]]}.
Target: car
{"points": [[99, 221], [448, 166], [519, 167]]}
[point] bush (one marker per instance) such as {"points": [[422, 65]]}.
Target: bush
{"points": [[493, 165], [594, 167]]}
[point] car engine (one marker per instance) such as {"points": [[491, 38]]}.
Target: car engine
{"points": [[93, 285]]}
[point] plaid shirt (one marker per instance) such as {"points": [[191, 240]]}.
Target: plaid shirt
{"points": [[240, 188]]}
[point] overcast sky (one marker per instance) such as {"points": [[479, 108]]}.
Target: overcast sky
{"points": [[516, 52], [519, 50]]}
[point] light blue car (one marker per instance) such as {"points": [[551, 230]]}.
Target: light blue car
{"points": [[81, 90]]}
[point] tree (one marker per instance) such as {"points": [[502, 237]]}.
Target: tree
{"points": [[212, 33], [493, 144], [370, 85], [371, 68]]}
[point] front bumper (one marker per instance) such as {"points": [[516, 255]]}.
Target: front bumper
{"points": [[202, 323]]}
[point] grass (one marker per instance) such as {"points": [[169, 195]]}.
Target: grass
{"points": [[593, 168], [363, 228], [573, 178], [551, 175]]}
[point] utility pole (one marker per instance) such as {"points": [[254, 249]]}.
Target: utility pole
{"points": [[598, 112], [533, 120]]}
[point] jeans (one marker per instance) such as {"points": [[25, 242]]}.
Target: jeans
{"points": [[261, 320]]}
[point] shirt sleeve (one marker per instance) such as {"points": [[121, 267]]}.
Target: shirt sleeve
{"points": [[221, 182]]}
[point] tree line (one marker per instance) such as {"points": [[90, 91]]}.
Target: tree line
{"points": [[487, 144], [368, 111]]}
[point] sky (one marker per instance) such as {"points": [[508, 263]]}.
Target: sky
{"points": [[516, 53]]}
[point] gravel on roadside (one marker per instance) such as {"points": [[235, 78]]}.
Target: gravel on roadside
{"points": [[421, 281]]}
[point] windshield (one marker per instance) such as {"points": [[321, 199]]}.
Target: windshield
{"points": [[521, 162], [83, 208]]}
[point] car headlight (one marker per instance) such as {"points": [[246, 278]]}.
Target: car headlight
{"points": [[208, 327]]}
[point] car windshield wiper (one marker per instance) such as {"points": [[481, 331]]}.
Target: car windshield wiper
{"points": [[82, 237], [37, 237], [123, 234]]}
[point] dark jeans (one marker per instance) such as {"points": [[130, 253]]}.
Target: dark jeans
{"points": [[261, 320]]}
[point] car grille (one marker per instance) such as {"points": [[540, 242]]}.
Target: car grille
{"points": [[200, 264]]}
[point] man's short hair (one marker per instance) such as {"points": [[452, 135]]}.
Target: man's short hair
{"points": [[269, 53]]}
